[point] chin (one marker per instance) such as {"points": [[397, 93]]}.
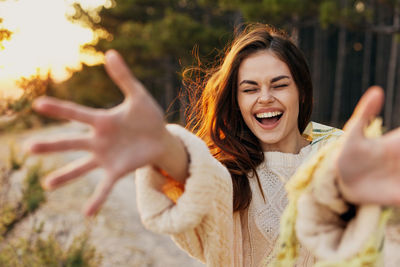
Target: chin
{"points": [[269, 141]]}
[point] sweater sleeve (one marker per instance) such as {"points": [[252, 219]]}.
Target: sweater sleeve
{"points": [[332, 229], [200, 221], [319, 218]]}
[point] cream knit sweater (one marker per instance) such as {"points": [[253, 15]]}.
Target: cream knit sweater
{"points": [[260, 222], [202, 221]]}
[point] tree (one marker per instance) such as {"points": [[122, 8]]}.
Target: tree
{"points": [[347, 45], [391, 78], [339, 73], [156, 38]]}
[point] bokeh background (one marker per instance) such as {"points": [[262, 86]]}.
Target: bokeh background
{"points": [[349, 45], [56, 47]]}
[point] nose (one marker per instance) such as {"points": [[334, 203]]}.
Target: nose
{"points": [[265, 96]]}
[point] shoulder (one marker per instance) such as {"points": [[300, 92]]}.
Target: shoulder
{"points": [[319, 134]]}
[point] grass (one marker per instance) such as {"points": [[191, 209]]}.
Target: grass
{"points": [[34, 250], [32, 197], [33, 194], [49, 252]]}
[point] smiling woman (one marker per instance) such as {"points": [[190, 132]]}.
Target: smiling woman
{"points": [[229, 184], [45, 41], [268, 99]]}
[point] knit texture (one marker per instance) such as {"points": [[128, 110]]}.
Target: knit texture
{"points": [[201, 221], [261, 229], [312, 217]]}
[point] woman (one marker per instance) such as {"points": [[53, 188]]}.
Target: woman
{"points": [[252, 113]]}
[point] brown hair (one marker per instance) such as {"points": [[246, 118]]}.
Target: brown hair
{"points": [[214, 113]]}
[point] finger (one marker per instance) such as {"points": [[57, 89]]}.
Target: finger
{"points": [[367, 108], [99, 196], [78, 143], [391, 141], [121, 75], [69, 173], [53, 107]]}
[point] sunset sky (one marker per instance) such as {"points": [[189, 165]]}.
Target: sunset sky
{"points": [[44, 40]]}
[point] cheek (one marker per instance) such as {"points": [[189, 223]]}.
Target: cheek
{"points": [[292, 104], [245, 111], [296, 110], [242, 105], [245, 108]]}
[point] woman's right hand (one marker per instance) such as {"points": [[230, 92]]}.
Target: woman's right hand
{"points": [[124, 138]]}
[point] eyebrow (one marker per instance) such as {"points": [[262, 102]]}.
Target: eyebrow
{"points": [[279, 78], [272, 80], [249, 82]]}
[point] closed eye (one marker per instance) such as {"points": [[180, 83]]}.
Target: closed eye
{"points": [[280, 85], [249, 90]]}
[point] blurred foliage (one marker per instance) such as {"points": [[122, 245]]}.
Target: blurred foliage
{"points": [[16, 161], [38, 252], [19, 111], [155, 38], [14, 208], [299, 13], [33, 193], [159, 38], [4, 34], [11, 212]]}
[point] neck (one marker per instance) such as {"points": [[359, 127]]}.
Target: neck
{"points": [[292, 144]]}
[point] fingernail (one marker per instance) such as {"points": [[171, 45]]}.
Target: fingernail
{"points": [[37, 103], [46, 185], [88, 211], [27, 147], [110, 54]]}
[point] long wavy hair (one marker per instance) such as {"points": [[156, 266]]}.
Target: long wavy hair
{"points": [[213, 113]]}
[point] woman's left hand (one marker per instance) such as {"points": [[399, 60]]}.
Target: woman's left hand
{"points": [[369, 169]]}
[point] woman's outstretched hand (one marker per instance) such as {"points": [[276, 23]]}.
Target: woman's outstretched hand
{"points": [[369, 169], [124, 138]]}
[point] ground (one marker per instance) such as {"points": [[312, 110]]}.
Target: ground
{"points": [[116, 232]]}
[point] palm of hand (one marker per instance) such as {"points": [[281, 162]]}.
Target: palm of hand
{"points": [[123, 139], [123, 132], [369, 169]]}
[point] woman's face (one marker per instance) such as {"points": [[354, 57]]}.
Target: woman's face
{"points": [[268, 99]]}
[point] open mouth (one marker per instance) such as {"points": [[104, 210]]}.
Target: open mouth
{"points": [[268, 118]]}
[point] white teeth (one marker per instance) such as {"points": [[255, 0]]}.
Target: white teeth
{"points": [[268, 114]]}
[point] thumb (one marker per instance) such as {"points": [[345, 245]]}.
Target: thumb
{"points": [[367, 108]]}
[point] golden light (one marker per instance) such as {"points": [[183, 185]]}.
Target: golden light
{"points": [[357, 46], [45, 41], [360, 6]]}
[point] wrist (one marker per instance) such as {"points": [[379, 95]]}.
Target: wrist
{"points": [[173, 158]]}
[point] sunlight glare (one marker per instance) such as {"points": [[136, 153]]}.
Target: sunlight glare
{"points": [[45, 42]]}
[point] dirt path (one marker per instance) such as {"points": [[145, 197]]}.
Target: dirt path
{"points": [[117, 231]]}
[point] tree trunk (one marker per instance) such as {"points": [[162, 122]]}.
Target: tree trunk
{"points": [[366, 72], [295, 30], [169, 91], [396, 118], [391, 78], [238, 22], [341, 58], [380, 47], [317, 70]]}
